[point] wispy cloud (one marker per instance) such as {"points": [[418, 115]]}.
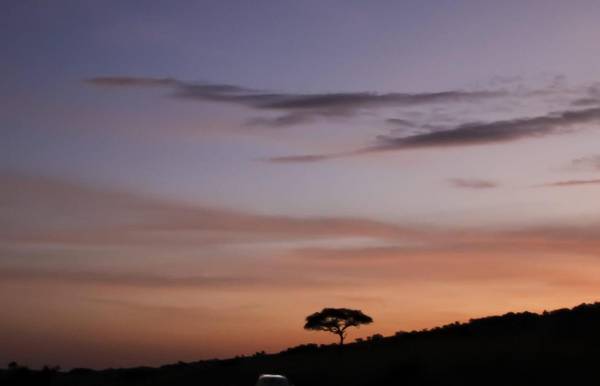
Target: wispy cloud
{"points": [[568, 183], [586, 102], [587, 163], [492, 132], [303, 158], [403, 123], [124, 81], [350, 101], [454, 130], [470, 183], [592, 97], [471, 134], [45, 210], [118, 278], [148, 280], [297, 107], [43, 213], [479, 244], [544, 254]]}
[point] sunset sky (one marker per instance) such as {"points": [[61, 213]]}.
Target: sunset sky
{"points": [[183, 180]]}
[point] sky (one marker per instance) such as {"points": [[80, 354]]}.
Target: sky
{"points": [[183, 180]]}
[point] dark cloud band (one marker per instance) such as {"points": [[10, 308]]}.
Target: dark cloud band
{"points": [[297, 108], [492, 132], [470, 134]]}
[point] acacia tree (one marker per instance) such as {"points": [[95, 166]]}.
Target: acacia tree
{"points": [[336, 321]]}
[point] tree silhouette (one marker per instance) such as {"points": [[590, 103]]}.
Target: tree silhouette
{"points": [[336, 321]]}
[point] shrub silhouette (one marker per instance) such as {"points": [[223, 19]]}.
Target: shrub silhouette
{"points": [[336, 321]]}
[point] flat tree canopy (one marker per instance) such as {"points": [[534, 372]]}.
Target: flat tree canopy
{"points": [[336, 321]]}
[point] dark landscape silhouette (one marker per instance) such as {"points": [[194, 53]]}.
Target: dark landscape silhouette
{"points": [[559, 347]]}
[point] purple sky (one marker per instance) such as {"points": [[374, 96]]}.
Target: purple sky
{"points": [[192, 166]]}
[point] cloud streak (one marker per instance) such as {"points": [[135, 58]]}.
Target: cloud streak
{"points": [[478, 244], [569, 183], [124, 81], [303, 108], [469, 134], [297, 107], [492, 132], [45, 210], [466, 183], [148, 280]]}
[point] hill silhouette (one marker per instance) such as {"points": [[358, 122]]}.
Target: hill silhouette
{"points": [[552, 348]]}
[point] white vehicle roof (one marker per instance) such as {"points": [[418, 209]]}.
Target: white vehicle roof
{"points": [[272, 380]]}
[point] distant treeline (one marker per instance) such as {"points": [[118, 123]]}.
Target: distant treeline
{"points": [[560, 347]]}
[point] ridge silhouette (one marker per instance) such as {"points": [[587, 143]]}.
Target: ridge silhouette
{"points": [[560, 347]]}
